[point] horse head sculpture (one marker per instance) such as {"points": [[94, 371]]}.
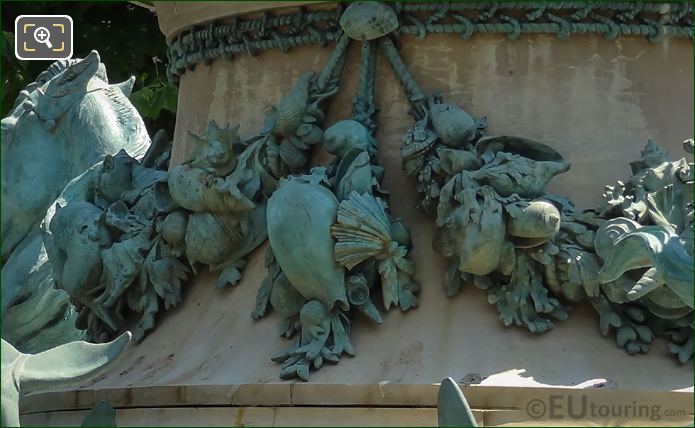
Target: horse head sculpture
{"points": [[61, 125]]}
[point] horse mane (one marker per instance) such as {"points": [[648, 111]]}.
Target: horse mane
{"points": [[122, 107], [125, 111], [120, 102], [54, 69], [130, 125]]}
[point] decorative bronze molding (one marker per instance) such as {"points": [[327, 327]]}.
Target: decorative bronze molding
{"points": [[203, 44]]}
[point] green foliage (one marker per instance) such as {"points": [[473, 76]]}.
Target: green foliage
{"points": [[154, 98], [13, 73], [129, 43]]}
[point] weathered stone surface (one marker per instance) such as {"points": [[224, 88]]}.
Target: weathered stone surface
{"points": [[614, 99], [525, 240]]}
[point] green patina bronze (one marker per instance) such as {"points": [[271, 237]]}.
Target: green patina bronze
{"points": [[106, 249], [452, 408], [646, 246], [61, 125], [101, 415], [493, 221], [121, 235], [332, 241], [127, 235], [68, 365], [535, 253], [205, 43]]}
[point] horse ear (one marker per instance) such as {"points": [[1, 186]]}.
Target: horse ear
{"points": [[126, 87]]}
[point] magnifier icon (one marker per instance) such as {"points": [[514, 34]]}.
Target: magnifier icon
{"points": [[42, 35]]}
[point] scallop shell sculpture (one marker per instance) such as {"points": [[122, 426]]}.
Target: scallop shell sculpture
{"points": [[368, 20]]}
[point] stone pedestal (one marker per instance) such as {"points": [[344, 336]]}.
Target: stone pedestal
{"points": [[596, 101]]}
